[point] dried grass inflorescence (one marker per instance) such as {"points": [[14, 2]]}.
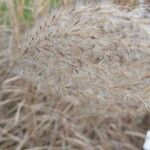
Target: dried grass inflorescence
{"points": [[93, 64], [92, 52], [126, 3]]}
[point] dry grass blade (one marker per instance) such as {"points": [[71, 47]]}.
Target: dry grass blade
{"points": [[15, 22], [131, 133]]}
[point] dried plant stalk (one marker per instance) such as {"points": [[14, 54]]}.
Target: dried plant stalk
{"points": [[14, 21], [66, 2], [20, 8]]}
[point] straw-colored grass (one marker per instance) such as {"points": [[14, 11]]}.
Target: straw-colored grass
{"points": [[80, 79]]}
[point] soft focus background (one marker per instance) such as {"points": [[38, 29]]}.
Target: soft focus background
{"points": [[27, 11], [17, 16]]}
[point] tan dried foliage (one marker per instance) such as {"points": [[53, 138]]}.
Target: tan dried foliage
{"points": [[79, 80]]}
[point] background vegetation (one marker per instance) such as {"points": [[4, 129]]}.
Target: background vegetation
{"points": [[17, 15], [25, 10]]}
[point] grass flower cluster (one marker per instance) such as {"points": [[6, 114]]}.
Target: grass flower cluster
{"points": [[79, 80]]}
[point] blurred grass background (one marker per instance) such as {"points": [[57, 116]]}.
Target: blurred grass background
{"points": [[16, 17], [26, 11]]}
